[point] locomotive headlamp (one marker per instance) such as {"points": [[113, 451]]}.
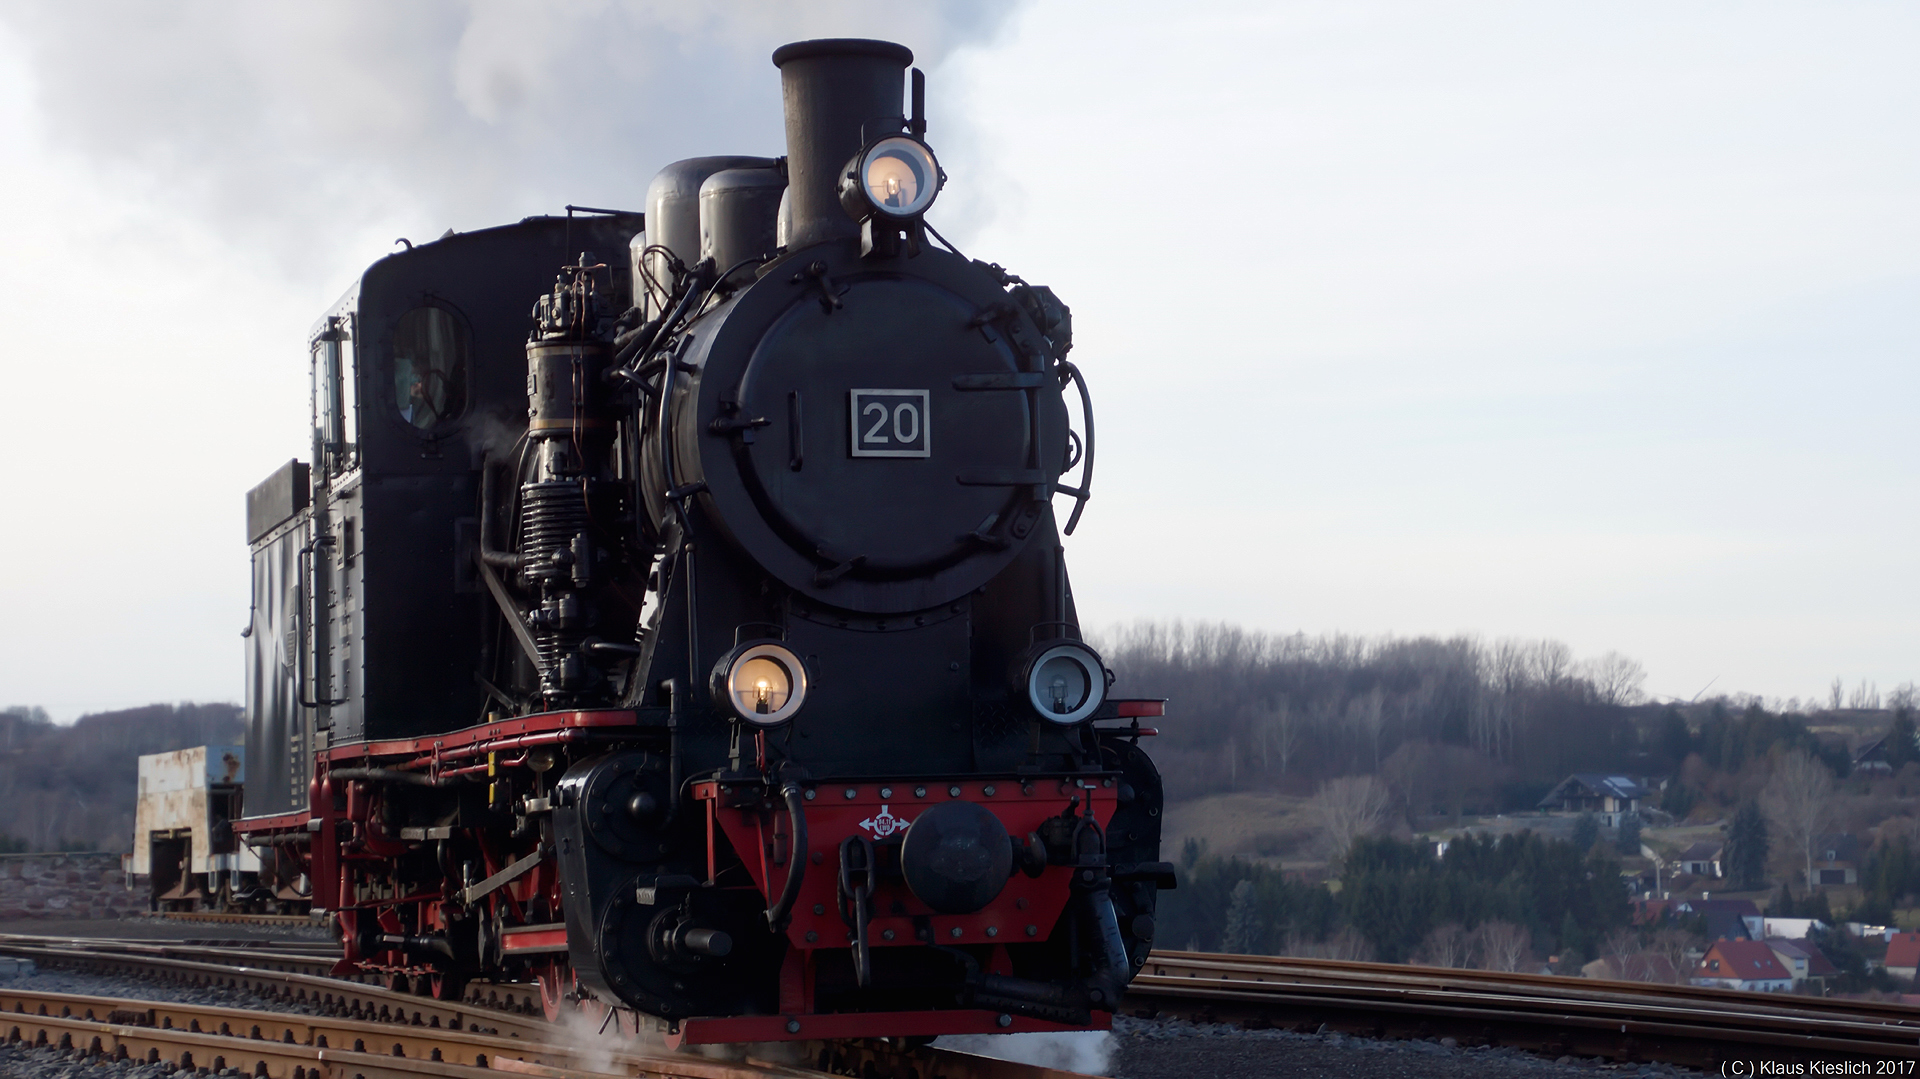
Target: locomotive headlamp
{"points": [[1065, 681], [760, 682], [895, 178]]}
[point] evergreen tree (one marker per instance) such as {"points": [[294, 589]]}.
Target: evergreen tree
{"points": [[1628, 841], [1243, 932], [1575, 946], [1900, 745], [1586, 832], [1816, 906], [1671, 738], [1782, 904], [1745, 856], [1678, 799], [1890, 875]]}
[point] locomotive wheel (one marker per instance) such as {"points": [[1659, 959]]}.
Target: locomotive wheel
{"points": [[556, 980], [399, 983]]}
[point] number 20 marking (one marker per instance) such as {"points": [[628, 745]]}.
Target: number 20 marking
{"points": [[890, 423], [906, 423]]}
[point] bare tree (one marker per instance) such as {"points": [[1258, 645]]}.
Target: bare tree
{"points": [[1799, 803], [1619, 949], [1279, 732], [1490, 724], [1503, 946], [1866, 696], [1350, 807], [1551, 662], [1411, 773], [1904, 697], [1447, 946], [1836, 694], [1616, 679], [1672, 944], [1507, 666], [1347, 945], [1368, 716]]}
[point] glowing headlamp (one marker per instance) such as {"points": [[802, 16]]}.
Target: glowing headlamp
{"points": [[760, 682], [887, 187], [895, 177]]}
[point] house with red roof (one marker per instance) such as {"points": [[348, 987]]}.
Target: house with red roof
{"points": [[1903, 955], [1743, 964], [1804, 961], [1653, 911], [1726, 919]]}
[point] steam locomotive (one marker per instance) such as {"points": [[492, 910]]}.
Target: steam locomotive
{"points": [[702, 648]]}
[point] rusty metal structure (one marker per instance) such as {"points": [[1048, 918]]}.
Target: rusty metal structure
{"points": [[183, 838]]}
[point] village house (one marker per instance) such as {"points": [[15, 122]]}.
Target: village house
{"points": [[1903, 955], [1725, 919], [1872, 757], [1651, 911], [1747, 965], [1836, 859], [1700, 860], [1804, 962], [1607, 797]]}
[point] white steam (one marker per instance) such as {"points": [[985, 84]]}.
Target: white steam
{"points": [[596, 1041], [1089, 1052], [296, 128]]}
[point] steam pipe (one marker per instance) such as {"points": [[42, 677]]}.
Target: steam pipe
{"points": [[388, 775]]}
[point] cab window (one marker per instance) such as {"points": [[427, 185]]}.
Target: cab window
{"points": [[430, 366]]}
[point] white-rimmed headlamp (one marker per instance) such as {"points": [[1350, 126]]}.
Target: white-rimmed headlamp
{"points": [[761, 682], [895, 178], [1065, 681]]}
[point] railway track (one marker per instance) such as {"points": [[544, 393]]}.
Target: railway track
{"points": [[282, 1045], [222, 917], [1627, 1021], [370, 1032], [1640, 1022]]}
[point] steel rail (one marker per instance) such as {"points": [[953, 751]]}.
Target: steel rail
{"points": [[286, 961], [285, 1045], [247, 1039], [1210, 964], [233, 918], [385, 1021], [1621, 1020], [518, 1015]]}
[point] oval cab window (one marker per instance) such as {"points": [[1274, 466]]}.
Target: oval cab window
{"points": [[430, 366]]}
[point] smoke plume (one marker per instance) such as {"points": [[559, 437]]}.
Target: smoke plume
{"points": [[300, 127]]}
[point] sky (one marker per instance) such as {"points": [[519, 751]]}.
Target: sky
{"points": [[1590, 322]]}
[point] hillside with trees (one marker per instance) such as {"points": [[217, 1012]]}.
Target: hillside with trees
{"points": [[1494, 723], [73, 786], [1372, 754]]}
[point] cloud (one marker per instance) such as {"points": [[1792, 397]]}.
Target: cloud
{"points": [[295, 128]]}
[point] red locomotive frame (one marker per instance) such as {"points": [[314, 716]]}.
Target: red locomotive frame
{"points": [[347, 848]]}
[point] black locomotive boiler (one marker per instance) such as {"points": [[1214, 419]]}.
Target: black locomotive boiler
{"points": [[703, 648]]}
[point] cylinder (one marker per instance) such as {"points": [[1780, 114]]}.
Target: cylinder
{"points": [[838, 94], [673, 212], [739, 209]]}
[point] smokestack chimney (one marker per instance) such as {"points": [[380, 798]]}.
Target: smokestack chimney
{"points": [[839, 93]]}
